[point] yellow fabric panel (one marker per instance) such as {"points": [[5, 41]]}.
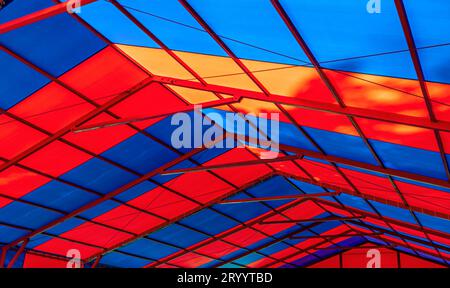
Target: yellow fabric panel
{"points": [[156, 61], [218, 70], [281, 79]]}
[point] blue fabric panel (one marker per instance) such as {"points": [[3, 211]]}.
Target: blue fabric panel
{"points": [[99, 209], [99, 176], [354, 201], [436, 223], [149, 249], [65, 226], [119, 260], [209, 222], [178, 235], [19, 8], [60, 196], [55, 44], [430, 25], [346, 29], [9, 234], [337, 144], [250, 258], [21, 81], [394, 212], [419, 161], [114, 25], [159, 16], [136, 191], [25, 215], [253, 22], [140, 153]]}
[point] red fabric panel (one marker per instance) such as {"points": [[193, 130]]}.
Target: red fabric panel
{"points": [[357, 258], [144, 103], [245, 237], [217, 249], [332, 262], [324, 172], [408, 261], [56, 158], [4, 202], [17, 182], [105, 74], [372, 185], [100, 140], [379, 93], [399, 134], [323, 120], [16, 137], [190, 260], [163, 202], [128, 219], [289, 167], [36, 261], [95, 235], [61, 247], [201, 186], [52, 107], [434, 200], [242, 174]]}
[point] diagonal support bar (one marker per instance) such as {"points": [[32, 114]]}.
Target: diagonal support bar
{"points": [[336, 236], [279, 198], [189, 108], [326, 219], [230, 165], [3, 252], [310, 105], [105, 197], [18, 253], [40, 15]]}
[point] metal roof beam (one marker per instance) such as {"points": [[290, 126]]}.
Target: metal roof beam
{"points": [[41, 15], [309, 104]]}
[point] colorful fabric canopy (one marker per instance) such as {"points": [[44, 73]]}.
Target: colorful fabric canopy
{"points": [[363, 100]]}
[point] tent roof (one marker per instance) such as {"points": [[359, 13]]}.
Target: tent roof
{"points": [[85, 131]]}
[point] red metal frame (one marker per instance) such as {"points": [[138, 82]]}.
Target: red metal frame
{"points": [[418, 67], [18, 253], [335, 236], [122, 121], [309, 104], [38, 16], [326, 219], [365, 196], [279, 198], [230, 165], [413, 121]]}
